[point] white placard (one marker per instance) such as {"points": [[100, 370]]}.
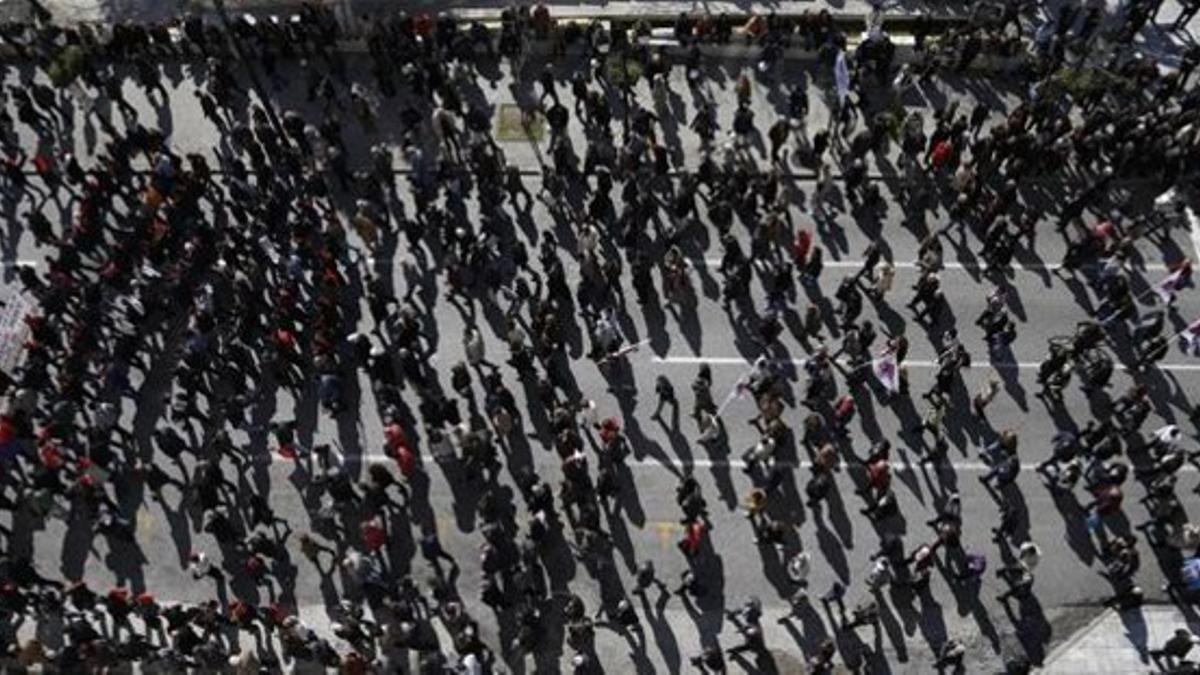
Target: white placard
{"points": [[13, 329]]}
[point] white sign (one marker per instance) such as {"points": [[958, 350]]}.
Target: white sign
{"points": [[887, 371], [1190, 339], [13, 329]]}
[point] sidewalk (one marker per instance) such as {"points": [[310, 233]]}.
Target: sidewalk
{"points": [[143, 10], [158, 10], [1118, 642]]}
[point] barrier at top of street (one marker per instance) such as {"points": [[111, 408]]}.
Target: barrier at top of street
{"points": [[654, 11], [357, 23], [657, 30]]}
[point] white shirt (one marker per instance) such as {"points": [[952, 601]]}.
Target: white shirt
{"points": [[591, 416], [799, 566], [1029, 555], [709, 427], [474, 347], [201, 566], [1168, 436]]}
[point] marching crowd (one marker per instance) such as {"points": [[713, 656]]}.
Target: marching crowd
{"points": [[221, 284]]}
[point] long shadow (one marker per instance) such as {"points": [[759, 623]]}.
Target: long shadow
{"points": [[832, 548], [892, 629], [1078, 537], [1032, 629], [664, 636]]}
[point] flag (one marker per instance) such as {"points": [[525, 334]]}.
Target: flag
{"points": [[740, 389], [887, 371], [8, 438], [1190, 337], [1175, 281], [1189, 572], [1167, 198], [624, 351], [14, 329], [842, 75], [742, 386]]}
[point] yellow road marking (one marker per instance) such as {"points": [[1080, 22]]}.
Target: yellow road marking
{"points": [[144, 522], [667, 530]]}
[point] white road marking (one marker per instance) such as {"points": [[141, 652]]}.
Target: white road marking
{"points": [[650, 463], [955, 266], [899, 466], [401, 262], [1009, 365]]}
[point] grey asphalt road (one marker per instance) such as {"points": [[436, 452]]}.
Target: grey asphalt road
{"points": [[839, 537]]}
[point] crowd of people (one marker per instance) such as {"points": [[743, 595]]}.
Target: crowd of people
{"points": [[220, 284]]}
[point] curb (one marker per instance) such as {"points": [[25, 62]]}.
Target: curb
{"points": [[1075, 638]]}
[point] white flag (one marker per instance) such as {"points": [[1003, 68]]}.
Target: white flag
{"points": [[842, 75], [14, 331], [742, 386], [1190, 339], [624, 351], [1175, 281], [1166, 199], [887, 371]]}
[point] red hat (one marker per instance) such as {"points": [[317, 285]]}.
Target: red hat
{"points": [[284, 338]]}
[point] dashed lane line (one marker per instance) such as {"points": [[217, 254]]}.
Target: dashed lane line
{"points": [[958, 266], [998, 365], [897, 465], [713, 262], [653, 463]]}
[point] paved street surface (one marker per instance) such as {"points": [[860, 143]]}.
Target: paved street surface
{"points": [[1045, 300]]}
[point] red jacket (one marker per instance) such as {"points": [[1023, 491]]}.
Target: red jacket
{"points": [[942, 152], [373, 536], [396, 438], [406, 459], [879, 474], [844, 409], [693, 539], [801, 247]]}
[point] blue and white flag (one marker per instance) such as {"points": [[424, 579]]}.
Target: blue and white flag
{"points": [[841, 74], [887, 371]]}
